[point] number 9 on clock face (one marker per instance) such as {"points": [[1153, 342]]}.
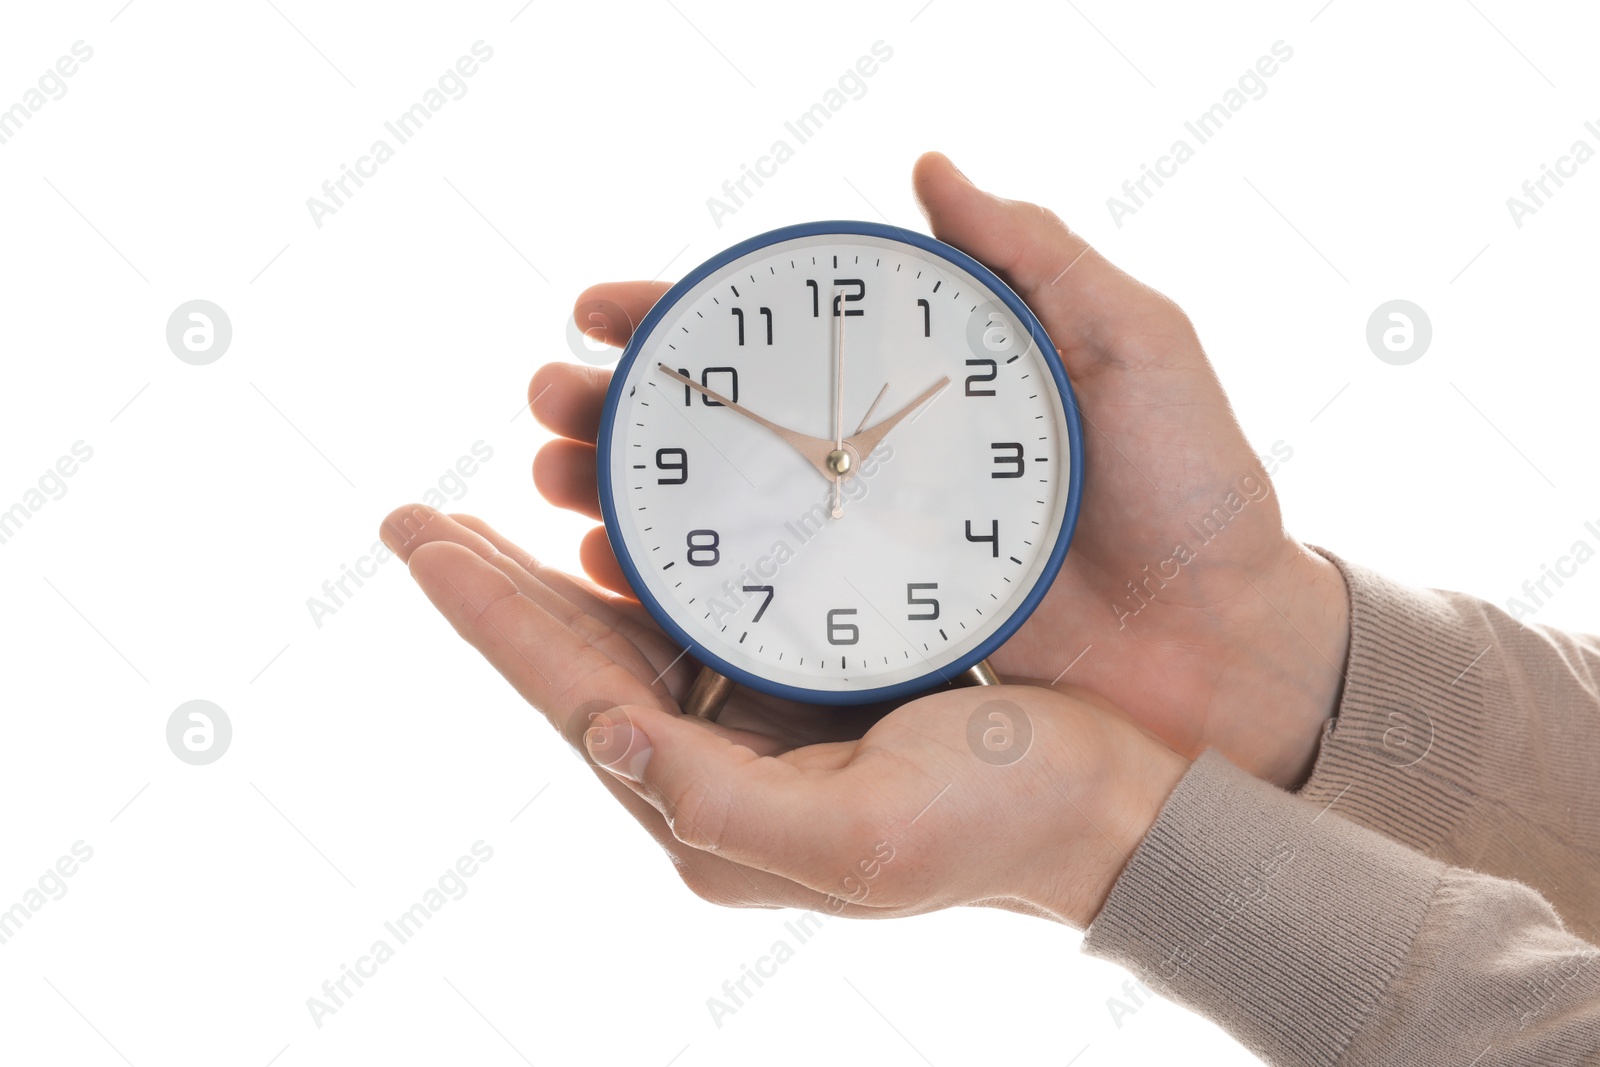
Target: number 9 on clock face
{"points": [[840, 462]]}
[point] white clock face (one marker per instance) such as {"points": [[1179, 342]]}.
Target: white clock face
{"points": [[945, 524]]}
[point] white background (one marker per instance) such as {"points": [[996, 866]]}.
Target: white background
{"points": [[370, 353]]}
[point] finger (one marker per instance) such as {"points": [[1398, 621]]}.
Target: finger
{"points": [[410, 526], [566, 675], [620, 612], [566, 399], [600, 562], [584, 593], [576, 604], [720, 797], [405, 528], [623, 634], [610, 311], [564, 474], [1086, 302]]}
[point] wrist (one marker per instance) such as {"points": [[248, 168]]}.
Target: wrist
{"points": [[1297, 661], [1322, 622], [1106, 811]]}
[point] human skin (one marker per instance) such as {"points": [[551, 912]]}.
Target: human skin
{"points": [[783, 804], [858, 812]]}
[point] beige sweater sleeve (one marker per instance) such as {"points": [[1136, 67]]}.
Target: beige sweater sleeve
{"points": [[1362, 922], [1471, 737], [1315, 941]]}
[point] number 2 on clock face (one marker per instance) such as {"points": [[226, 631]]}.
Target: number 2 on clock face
{"points": [[841, 462]]}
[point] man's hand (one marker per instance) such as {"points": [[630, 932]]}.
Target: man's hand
{"points": [[1238, 641], [1017, 797]]}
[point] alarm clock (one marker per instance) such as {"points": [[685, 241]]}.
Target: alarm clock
{"points": [[841, 463]]}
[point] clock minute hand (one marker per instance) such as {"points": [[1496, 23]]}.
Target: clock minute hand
{"points": [[814, 449], [838, 411], [867, 440]]}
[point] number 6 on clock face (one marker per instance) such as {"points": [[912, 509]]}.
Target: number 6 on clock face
{"points": [[840, 462]]}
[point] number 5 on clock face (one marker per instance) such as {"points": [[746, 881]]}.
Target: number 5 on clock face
{"points": [[840, 462]]}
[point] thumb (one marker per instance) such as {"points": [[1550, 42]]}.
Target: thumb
{"points": [[1087, 304], [720, 796]]}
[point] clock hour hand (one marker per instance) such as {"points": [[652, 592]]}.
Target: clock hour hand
{"points": [[865, 441], [814, 449]]}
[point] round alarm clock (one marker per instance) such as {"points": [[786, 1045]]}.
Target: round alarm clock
{"points": [[839, 462]]}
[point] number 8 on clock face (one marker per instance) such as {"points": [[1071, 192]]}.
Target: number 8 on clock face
{"points": [[840, 462]]}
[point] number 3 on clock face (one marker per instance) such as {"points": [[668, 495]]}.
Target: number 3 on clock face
{"points": [[840, 462]]}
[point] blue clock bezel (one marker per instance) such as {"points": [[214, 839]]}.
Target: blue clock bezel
{"points": [[938, 675]]}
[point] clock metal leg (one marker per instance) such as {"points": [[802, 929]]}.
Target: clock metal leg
{"points": [[707, 695], [980, 673]]}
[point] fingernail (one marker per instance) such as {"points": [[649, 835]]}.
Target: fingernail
{"points": [[959, 171], [397, 536], [614, 743]]}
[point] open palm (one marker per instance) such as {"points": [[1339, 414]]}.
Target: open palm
{"points": [[865, 812]]}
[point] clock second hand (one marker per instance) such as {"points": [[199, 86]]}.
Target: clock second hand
{"points": [[871, 408]]}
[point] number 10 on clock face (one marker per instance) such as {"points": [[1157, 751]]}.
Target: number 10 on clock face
{"points": [[840, 462]]}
